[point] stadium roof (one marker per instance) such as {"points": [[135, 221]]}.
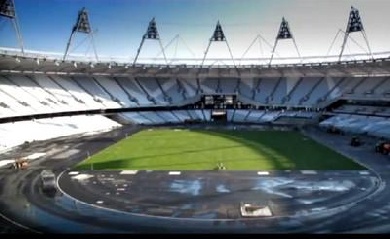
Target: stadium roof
{"points": [[23, 61], [15, 62]]}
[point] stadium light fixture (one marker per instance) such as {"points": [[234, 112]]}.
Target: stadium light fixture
{"points": [[8, 12], [151, 34], [284, 33], [82, 26], [355, 24]]}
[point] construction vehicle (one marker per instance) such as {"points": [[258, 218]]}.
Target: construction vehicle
{"points": [[21, 163]]}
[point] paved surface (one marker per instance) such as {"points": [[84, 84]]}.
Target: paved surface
{"points": [[155, 201], [212, 199]]}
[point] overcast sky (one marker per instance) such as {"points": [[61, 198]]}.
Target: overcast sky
{"points": [[46, 26]]}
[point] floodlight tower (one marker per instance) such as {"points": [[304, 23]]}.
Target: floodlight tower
{"points": [[218, 36], [82, 26], [284, 33], [354, 25], [151, 34], [7, 11]]}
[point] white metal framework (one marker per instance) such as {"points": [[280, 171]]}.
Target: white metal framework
{"points": [[258, 38]]}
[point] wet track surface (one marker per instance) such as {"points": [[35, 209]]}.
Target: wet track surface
{"points": [[194, 201], [217, 194]]}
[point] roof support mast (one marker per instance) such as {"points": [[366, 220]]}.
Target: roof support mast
{"points": [[284, 33], [82, 26], [354, 25], [7, 10], [151, 34]]}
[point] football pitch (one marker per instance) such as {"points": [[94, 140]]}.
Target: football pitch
{"points": [[185, 149]]}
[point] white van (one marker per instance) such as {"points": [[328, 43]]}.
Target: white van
{"points": [[48, 179]]}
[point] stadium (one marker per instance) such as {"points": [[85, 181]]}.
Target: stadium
{"points": [[273, 144]]}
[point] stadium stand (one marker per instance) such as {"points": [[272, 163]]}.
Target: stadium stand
{"points": [[15, 133]]}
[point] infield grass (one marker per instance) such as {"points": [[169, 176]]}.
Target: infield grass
{"points": [[184, 149]]}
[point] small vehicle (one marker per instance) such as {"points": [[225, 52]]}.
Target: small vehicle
{"points": [[355, 141], [383, 147], [334, 130], [48, 180]]}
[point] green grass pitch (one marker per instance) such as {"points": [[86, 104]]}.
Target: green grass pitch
{"points": [[183, 149]]}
